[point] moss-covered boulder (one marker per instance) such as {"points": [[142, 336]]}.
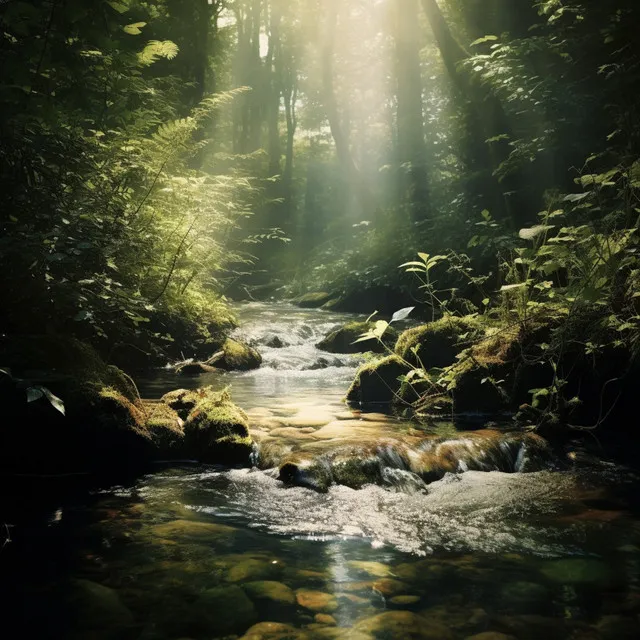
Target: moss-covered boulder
{"points": [[378, 381], [344, 339], [71, 411], [238, 356], [312, 300], [216, 430], [438, 343]]}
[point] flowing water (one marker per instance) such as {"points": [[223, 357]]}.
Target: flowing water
{"points": [[548, 546]]}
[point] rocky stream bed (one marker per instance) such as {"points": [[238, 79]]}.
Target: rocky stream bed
{"points": [[349, 523]]}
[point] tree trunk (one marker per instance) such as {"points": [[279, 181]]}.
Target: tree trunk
{"points": [[340, 138], [486, 114], [412, 174]]}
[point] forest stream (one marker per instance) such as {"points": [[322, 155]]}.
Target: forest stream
{"points": [[547, 548]]}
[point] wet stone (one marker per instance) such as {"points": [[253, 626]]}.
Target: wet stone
{"points": [[191, 529], [404, 601], [227, 609], [490, 635], [273, 631], [316, 600], [326, 619], [527, 597], [254, 569], [402, 625], [270, 592], [374, 569], [389, 587], [99, 608], [578, 571]]}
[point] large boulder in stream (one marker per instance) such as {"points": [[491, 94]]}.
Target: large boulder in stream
{"points": [[312, 300], [213, 428], [344, 339], [69, 412], [238, 356]]}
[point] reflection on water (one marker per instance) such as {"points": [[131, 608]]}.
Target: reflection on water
{"points": [[201, 552]]}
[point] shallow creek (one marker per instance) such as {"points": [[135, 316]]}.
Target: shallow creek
{"points": [[201, 552]]}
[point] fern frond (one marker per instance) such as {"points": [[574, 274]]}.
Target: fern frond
{"points": [[156, 49]]}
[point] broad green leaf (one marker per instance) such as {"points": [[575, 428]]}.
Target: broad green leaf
{"points": [[370, 335], [56, 403], [135, 28], [34, 393], [380, 328], [484, 40]]}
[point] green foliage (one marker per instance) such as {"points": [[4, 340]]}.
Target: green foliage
{"points": [[106, 223]]}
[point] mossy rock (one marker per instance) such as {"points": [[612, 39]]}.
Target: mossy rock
{"points": [[343, 339], [377, 381], [312, 300], [438, 343], [238, 356], [481, 389], [182, 401], [103, 426], [216, 430]]}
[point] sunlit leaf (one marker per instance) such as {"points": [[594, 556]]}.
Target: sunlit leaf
{"points": [[134, 29], [513, 287], [401, 314]]}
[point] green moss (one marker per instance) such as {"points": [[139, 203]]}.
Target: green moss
{"points": [[216, 430], [355, 472], [313, 300], [440, 404], [182, 401], [436, 344], [343, 340], [239, 356], [377, 381]]}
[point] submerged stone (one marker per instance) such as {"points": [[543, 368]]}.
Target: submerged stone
{"points": [[273, 631], [402, 625], [316, 600], [227, 609], [490, 635], [192, 529], [375, 569], [527, 597], [270, 592], [253, 569], [404, 601], [578, 571], [98, 608]]}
